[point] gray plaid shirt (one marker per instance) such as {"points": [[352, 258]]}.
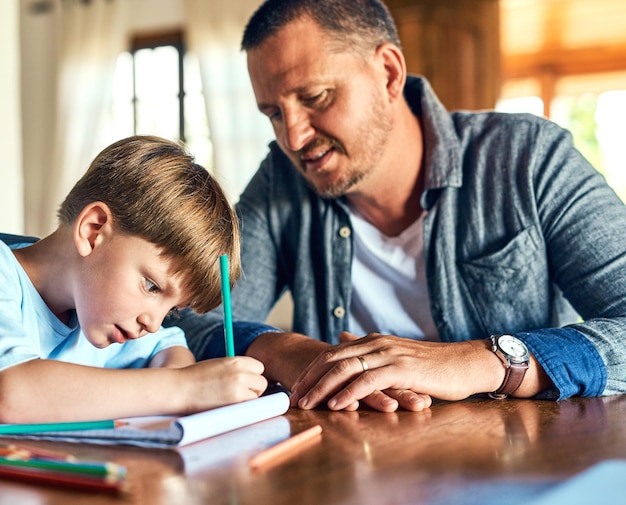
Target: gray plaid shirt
{"points": [[517, 218]]}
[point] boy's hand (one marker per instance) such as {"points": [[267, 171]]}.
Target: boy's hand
{"points": [[222, 381]]}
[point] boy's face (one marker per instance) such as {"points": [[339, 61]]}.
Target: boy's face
{"points": [[125, 290]]}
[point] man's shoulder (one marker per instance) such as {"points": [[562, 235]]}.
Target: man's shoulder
{"points": [[512, 128], [280, 171], [496, 119], [277, 159]]}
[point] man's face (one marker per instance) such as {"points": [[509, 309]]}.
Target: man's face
{"points": [[328, 108]]}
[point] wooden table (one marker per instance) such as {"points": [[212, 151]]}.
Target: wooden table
{"points": [[463, 452]]}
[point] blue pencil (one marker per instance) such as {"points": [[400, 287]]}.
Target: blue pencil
{"points": [[228, 313]]}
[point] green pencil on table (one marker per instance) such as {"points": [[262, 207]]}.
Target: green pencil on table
{"points": [[13, 429], [73, 481], [94, 468], [228, 314], [54, 468]]}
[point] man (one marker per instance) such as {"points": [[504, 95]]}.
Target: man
{"points": [[428, 232]]}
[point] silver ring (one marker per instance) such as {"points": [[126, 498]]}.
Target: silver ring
{"points": [[363, 363]]}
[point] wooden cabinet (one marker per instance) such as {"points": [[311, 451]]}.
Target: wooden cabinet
{"points": [[455, 45]]}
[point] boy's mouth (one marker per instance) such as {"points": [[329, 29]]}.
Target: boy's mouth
{"points": [[120, 335]]}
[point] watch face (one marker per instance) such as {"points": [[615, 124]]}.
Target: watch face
{"points": [[513, 346]]}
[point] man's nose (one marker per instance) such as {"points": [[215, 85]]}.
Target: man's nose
{"points": [[298, 130]]}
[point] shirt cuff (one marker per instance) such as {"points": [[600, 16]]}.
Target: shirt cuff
{"points": [[244, 334], [570, 360]]}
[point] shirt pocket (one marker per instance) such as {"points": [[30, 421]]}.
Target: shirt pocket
{"points": [[510, 287]]}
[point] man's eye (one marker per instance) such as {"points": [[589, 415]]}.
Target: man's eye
{"points": [[315, 99], [151, 287], [273, 116]]}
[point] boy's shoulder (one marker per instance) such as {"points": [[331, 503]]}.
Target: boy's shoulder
{"points": [[12, 274], [10, 271], [10, 239]]}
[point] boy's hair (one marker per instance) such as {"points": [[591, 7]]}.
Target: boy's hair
{"points": [[155, 191], [366, 23]]}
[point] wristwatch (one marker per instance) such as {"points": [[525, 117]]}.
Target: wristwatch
{"points": [[514, 354]]}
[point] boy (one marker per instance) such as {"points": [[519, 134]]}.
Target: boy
{"points": [[139, 235]]}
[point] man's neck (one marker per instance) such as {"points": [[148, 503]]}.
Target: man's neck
{"points": [[390, 198]]}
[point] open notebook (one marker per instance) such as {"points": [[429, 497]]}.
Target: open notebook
{"points": [[170, 431]]}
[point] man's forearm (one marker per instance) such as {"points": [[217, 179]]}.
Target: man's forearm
{"points": [[285, 355]]}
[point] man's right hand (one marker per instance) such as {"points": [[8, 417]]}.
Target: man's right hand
{"points": [[288, 356]]}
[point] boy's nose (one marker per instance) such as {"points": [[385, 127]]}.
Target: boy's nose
{"points": [[150, 322]]}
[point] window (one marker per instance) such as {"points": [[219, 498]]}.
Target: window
{"points": [[591, 107], [566, 60], [157, 90]]}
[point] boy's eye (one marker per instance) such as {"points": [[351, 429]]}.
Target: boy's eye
{"points": [[151, 287]]}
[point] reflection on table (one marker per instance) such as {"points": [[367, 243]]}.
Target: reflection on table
{"points": [[470, 452]]}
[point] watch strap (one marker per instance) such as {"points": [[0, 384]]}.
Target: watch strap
{"points": [[513, 376]]}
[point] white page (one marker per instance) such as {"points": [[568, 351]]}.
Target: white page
{"points": [[213, 422], [172, 431]]}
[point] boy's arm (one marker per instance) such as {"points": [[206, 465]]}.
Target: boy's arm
{"points": [[51, 391], [55, 391], [172, 357]]}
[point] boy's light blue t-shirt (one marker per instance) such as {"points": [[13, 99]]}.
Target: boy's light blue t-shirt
{"points": [[29, 330]]}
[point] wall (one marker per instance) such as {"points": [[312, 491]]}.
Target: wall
{"points": [[11, 202], [40, 32]]}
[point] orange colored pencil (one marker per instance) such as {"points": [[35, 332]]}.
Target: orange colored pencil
{"points": [[23, 451]]}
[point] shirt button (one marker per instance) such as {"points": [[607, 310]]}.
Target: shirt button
{"points": [[345, 232], [339, 312]]}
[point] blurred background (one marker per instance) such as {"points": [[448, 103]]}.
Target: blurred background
{"points": [[80, 74]]}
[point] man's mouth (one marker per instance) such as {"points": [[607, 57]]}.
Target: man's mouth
{"points": [[315, 161]]}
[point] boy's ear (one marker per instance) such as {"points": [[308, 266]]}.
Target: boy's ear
{"points": [[93, 225]]}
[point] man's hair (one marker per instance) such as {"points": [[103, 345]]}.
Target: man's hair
{"points": [[364, 22], [156, 192]]}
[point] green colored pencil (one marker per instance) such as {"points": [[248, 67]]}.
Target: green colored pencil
{"points": [[63, 479], [228, 314], [94, 468], [18, 429]]}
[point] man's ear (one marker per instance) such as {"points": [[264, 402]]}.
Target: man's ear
{"points": [[93, 225], [394, 67]]}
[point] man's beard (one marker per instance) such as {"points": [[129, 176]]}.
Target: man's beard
{"points": [[373, 137], [338, 188]]}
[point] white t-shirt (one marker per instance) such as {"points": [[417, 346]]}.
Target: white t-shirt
{"points": [[389, 292], [30, 330]]}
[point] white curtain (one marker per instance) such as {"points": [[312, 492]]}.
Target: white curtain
{"points": [[12, 201], [67, 91], [86, 39], [239, 133]]}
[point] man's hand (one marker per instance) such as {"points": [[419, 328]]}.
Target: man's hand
{"points": [[289, 356], [407, 370], [390, 399]]}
